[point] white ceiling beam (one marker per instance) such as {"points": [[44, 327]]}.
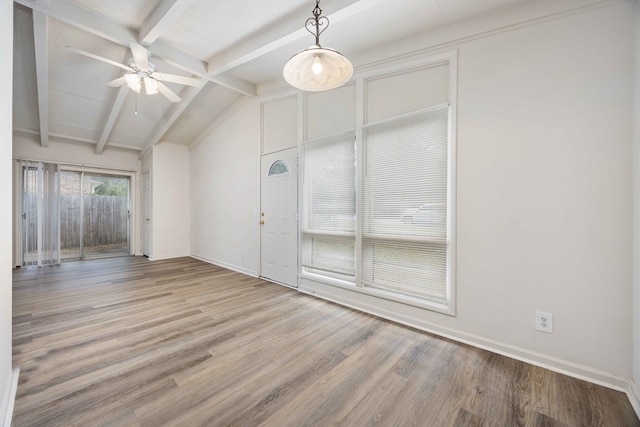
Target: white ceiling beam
{"points": [[161, 19], [84, 19], [188, 95], [111, 119], [285, 32], [40, 38]]}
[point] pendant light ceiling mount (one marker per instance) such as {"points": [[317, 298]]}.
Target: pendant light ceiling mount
{"points": [[317, 68]]}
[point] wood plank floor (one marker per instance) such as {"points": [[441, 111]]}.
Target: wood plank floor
{"points": [[130, 342]]}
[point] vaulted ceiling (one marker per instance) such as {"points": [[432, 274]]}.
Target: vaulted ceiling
{"points": [[232, 46]]}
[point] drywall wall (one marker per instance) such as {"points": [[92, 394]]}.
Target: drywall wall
{"points": [[544, 187], [544, 218], [28, 147], [225, 193], [170, 201], [634, 392], [7, 374]]}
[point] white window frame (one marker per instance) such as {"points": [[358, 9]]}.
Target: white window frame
{"points": [[375, 72]]}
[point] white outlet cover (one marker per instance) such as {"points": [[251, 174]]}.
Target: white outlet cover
{"points": [[544, 322]]}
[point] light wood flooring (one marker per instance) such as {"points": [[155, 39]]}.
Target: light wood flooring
{"points": [[128, 342]]}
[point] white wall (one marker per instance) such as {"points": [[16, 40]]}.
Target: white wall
{"points": [[225, 193], [544, 187], [170, 185], [28, 147], [6, 75], [635, 389]]}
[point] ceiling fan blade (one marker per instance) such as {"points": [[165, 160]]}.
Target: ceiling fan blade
{"points": [[100, 58], [140, 56], [120, 81], [168, 93], [173, 78]]}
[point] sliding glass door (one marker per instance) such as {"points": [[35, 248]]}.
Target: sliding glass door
{"points": [[72, 215]]}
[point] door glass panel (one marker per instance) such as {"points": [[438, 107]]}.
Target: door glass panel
{"points": [[70, 214], [105, 214]]}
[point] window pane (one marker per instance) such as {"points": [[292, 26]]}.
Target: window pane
{"points": [[418, 270], [329, 185], [329, 254], [329, 201], [405, 206], [405, 185]]}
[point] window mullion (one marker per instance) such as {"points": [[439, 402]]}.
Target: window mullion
{"points": [[359, 176]]}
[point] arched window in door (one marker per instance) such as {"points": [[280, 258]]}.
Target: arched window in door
{"points": [[279, 167]]}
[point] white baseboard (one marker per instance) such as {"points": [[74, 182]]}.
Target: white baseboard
{"points": [[633, 393], [368, 304], [168, 256], [226, 265], [6, 407]]}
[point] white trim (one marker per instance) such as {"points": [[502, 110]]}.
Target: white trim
{"points": [[633, 393], [367, 304], [226, 265], [67, 139], [10, 389], [169, 256]]}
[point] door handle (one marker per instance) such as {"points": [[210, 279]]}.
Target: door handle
{"points": [[262, 222]]}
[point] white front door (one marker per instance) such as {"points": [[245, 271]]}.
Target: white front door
{"points": [[278, 217]]}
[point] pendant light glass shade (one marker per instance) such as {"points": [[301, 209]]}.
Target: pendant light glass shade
{"points": [[317, 68]]}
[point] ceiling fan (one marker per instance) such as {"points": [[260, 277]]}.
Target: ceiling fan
{"points": [[142, 72]]}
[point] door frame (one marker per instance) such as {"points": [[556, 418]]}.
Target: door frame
{"points": [[147, 212], [17, 199]]}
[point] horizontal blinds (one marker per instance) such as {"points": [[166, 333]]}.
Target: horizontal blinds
{"points": [[405, 177], [404, 218], [329, 204]]}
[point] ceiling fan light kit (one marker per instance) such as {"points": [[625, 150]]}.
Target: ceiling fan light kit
{"points": [[142, 72], [317, 68]]}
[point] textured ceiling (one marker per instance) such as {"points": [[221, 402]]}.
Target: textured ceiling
{"points": [[231, 46]]}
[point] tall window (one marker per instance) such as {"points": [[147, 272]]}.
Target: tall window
{"points": [[377, 208], [328, 231], [378, 202], [404, 198]]}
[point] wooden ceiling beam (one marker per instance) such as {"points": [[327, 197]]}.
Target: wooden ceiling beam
{"points": [[86, 20], [284, 33], [41, 46], [116, 106], [188, 94], [161, 19]]}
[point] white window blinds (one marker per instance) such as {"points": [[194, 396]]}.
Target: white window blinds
{"points": [[329, 198], [404, 215]]}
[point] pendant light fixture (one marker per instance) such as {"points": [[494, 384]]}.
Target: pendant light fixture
{"points": [[317, 68]]}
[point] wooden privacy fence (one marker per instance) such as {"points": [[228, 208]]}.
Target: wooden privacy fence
{"points": [[105, 220]]}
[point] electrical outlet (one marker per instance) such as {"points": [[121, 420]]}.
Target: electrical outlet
{"points": [[544, 322]]}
